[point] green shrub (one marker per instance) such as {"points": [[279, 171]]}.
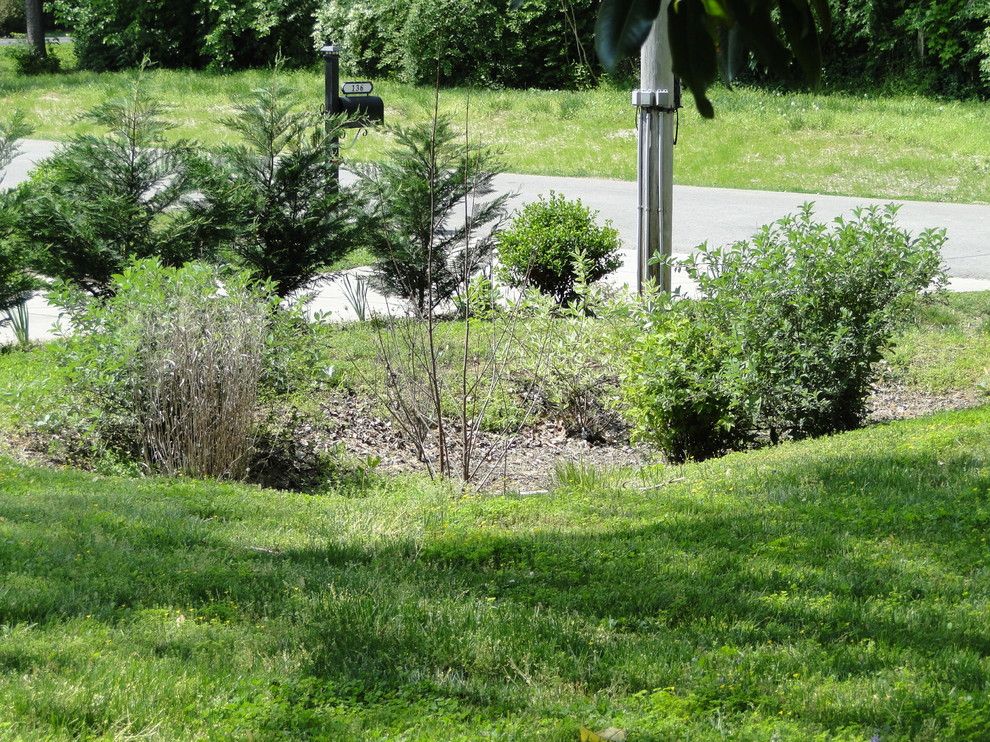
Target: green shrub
{"points": [[28, 62], [539, 247], [276, 198], [455, 41], [682, 386], [415, 195], [369, 32], [240, 34], [482, 299], [923, 47], [170, 364], [784, 338], [541, 43], [102, 201], [116, 34]]}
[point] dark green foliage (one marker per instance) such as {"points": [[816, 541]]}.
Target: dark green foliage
{"points": [[29, 62], [275, 197], [104, 200], [542, 43], [114, 34], [778, 31], [11, 16], [539, 247], [15, 281], [784, 338], [417, 199], [930, 46]]}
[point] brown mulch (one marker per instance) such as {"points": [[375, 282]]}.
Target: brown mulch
{"points": [[522, 461], [534, 453], [893, 401], [356, 424]]}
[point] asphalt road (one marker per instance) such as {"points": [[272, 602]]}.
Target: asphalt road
{"points": [[719, 215]]}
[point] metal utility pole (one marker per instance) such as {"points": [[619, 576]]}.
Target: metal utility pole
{"points": [[656, 101]]}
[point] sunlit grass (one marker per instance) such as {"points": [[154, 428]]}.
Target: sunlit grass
{"points": [[892, 147], [833, 589], [947, 348]]}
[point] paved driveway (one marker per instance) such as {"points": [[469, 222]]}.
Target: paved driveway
{"points": [[719, 215]]}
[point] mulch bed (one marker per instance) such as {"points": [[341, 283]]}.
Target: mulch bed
{"points": [[533, 454], [356, 424]]}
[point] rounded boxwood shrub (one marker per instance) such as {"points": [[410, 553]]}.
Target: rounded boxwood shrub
{"points": [[540, 247]]}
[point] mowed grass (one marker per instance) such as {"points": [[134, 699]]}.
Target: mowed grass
{"points": [[833, 589], [947, 347], [889, 147]]}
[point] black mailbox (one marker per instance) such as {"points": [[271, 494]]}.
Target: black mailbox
{"points": [[361, 110]]}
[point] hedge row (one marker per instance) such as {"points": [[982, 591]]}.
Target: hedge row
{"points": [[935, 46]]}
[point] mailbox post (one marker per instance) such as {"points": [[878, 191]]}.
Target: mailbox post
{"points": [[331, 98], [362, 109]]}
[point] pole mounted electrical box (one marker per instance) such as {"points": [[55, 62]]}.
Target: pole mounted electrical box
{"points": [[352, 98]]}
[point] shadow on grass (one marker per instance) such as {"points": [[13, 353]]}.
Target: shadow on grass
{"points": [[846, 568]]}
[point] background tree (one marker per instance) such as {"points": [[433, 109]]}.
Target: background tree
{"points": [[286, 217], [414, 196]]}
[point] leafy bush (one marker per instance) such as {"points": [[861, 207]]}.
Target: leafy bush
{"points": [[115, 34], [28, 62], [927, 47], [681, 386], [102, 201], [172, 363], [369, 32], [277, 198], [240, 34], [540, 245], [455, 41], [542, 43], [415, 195], [784, 338], [481, 299]]}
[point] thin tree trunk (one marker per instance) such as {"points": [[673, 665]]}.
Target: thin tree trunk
{"points": [[35, 26]]}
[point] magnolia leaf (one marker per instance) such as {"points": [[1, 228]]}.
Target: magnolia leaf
{"points": [[692, 46], [762, 25], [622, 27]]}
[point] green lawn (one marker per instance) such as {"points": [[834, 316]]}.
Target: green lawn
{"points": [[892, 147], [836, 589], [947, 348]]}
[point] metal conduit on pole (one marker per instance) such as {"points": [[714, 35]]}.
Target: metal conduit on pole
{"points": [[656, 101]]}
